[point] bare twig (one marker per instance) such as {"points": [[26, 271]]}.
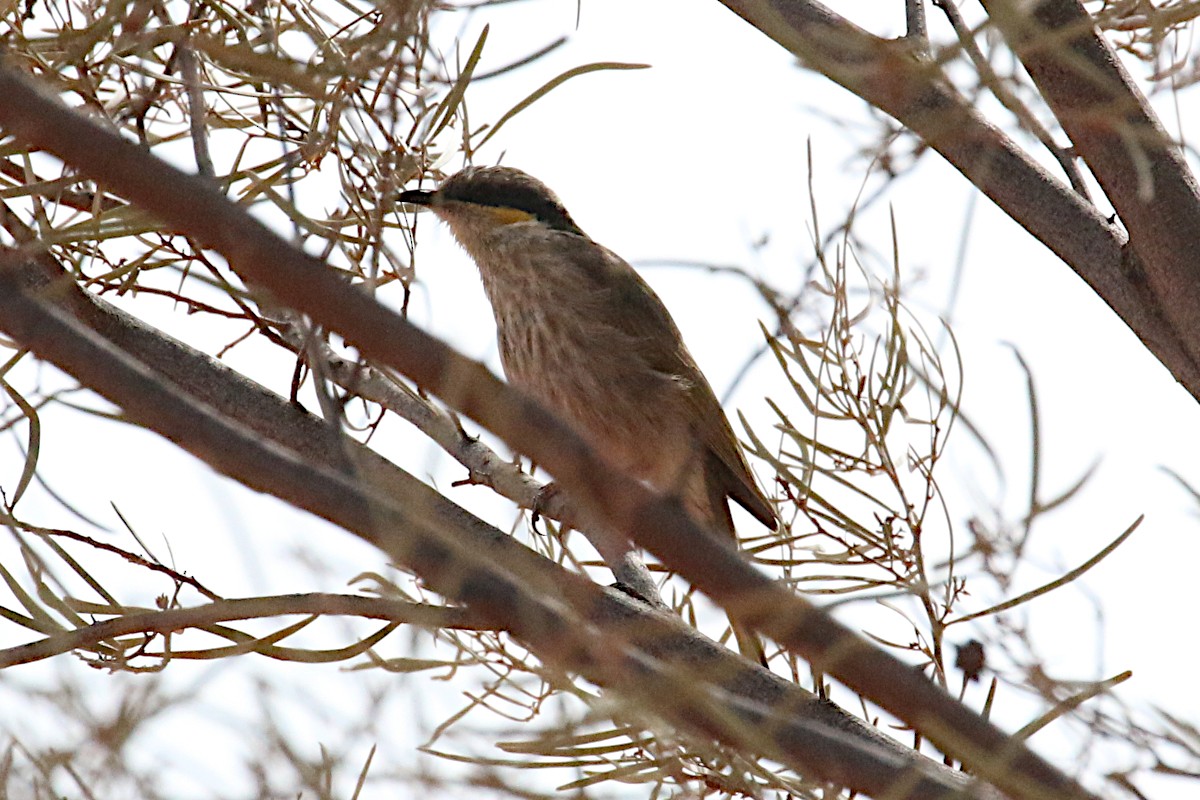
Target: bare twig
{"points": [[133, 621]]}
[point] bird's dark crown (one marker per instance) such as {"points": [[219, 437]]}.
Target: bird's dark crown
{"points": [[505, 187]]}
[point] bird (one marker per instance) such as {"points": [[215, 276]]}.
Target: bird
{"points": [[584, 334]]}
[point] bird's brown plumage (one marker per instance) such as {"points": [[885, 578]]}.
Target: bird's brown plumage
{"points": [[580, 330]]}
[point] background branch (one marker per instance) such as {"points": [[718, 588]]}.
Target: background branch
{"points": [[916, 93]]}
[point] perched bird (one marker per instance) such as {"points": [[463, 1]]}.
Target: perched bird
{"points": [[582, 333]]}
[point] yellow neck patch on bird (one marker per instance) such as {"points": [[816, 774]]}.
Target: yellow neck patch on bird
{"points": [[508, 216]]}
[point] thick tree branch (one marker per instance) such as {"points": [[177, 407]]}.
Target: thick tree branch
{"points": [[1113, 128], [888, 76], [1009, 99], [530, 601], [650, 659]]}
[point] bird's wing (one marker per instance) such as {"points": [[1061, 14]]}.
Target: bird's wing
{"points": [[645, 318], [727, 469]]}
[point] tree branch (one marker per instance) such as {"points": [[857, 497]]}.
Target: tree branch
{"points": [[917, 94], [526, 596], [230, 610], [1115, 131], [650, 659]]}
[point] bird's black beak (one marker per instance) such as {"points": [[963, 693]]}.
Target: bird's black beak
{"points": [[418, 197]]}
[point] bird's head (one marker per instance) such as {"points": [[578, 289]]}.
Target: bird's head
{"points": [[480, 200]]}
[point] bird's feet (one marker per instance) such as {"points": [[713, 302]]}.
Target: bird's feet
{"points": [[632, 576], [654, 600], [634, 579], [543, 502]]}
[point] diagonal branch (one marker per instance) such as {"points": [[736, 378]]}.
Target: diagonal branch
{"points": [[890, 77], [651, 660], [1114, 129], [531, 601]]}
